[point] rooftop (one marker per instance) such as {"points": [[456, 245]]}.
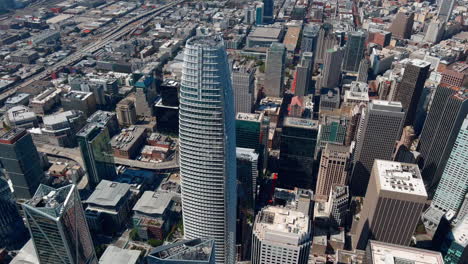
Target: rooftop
{"points": [[108, 193], [49, 200], [420, 63], [248, 117], [246, 154], [11, 136], [301, 122], [115, 255], [460, 232], [127, 138], [101, 117], [266, 32], [153, 203], [400, 177], [204, 41], [382, 105], [282, 225], [62, 117], [385, 253], [187, 250]]}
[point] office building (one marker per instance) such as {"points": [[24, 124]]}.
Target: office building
{"points": [[330, 100], [363, 72], [443, 122], [249, 14], [281, 236], [358, 93], [331, 131], [21, 116], [58, 227], [105, 119], [453, 187], [78, 100], [435, 31], [145, 95], [298, 142], [108, 206], [116, 255], [331, 73], [455, 245], [456, 75], [263, 37], [335, 166], [411, 86], [380, 252], [96, 152], [252, 133], [402, 25], [21, 162], [392, 206], [303, 74], [129, 142], [354, 51], [247, 174], [274, 70], [167, 107], [243, 85], [268, 10], [45, 101], [339, 205], [445, 9], [379, 128], [13, 233], [379, 37], [126, 112], [326, 40], [208, 146], [194, 251], [309, 38], [259, 13], [60, 129]]}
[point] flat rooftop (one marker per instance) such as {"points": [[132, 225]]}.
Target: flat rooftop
{"points": [[153, 203], [108, 193], [460, 232], [390, 106], [385, 253], [282, 225], [248, 117], [301, 122], [419, 63], [49, 200], [11, 136], [400, 177], [115, 255], [266, 33], [127, 138], [246, 154], [196, 250]]}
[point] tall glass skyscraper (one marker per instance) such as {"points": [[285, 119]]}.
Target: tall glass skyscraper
{"points": [[452, 188], [208, 146], [58, 226]]}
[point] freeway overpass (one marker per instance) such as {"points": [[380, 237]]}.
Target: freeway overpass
{"points": [[74, 154], [115, 34]]}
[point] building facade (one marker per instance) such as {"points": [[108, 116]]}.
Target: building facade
{"points": [[207, 146], [354, 51], [335, 166], [274, 70]]}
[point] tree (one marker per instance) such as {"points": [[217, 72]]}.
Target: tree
{"points": [[155, 242]]}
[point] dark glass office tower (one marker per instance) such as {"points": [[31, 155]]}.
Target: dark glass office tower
{"points": [[354, 51], [20, 160], [96, 152], [268, 9]]}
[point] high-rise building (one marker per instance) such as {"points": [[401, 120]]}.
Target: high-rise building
{"points": [[453, 186], [58, 227], [297, 147], [445, 9], [335, 166], [326, 40], [97, 154], [331, 74], [281, 236], [339, 204], [247, 174], [194, 251], [243, 85], [363, 72], [274, 70], [411, 86], [268, 10], [392, 206], [21, 162], [448, 110], [354, 51], [402, 25], [379, 129], [455, 245], [13, 233], [456, 75], [252, 133], [303, 74], [435, 31], [126, 112], [380, 252], [208, 146], [249, 14], [259, 7], [309, 38]]}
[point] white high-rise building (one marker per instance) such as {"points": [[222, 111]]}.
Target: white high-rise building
{"points": [[208, 146], [281, 236]]}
